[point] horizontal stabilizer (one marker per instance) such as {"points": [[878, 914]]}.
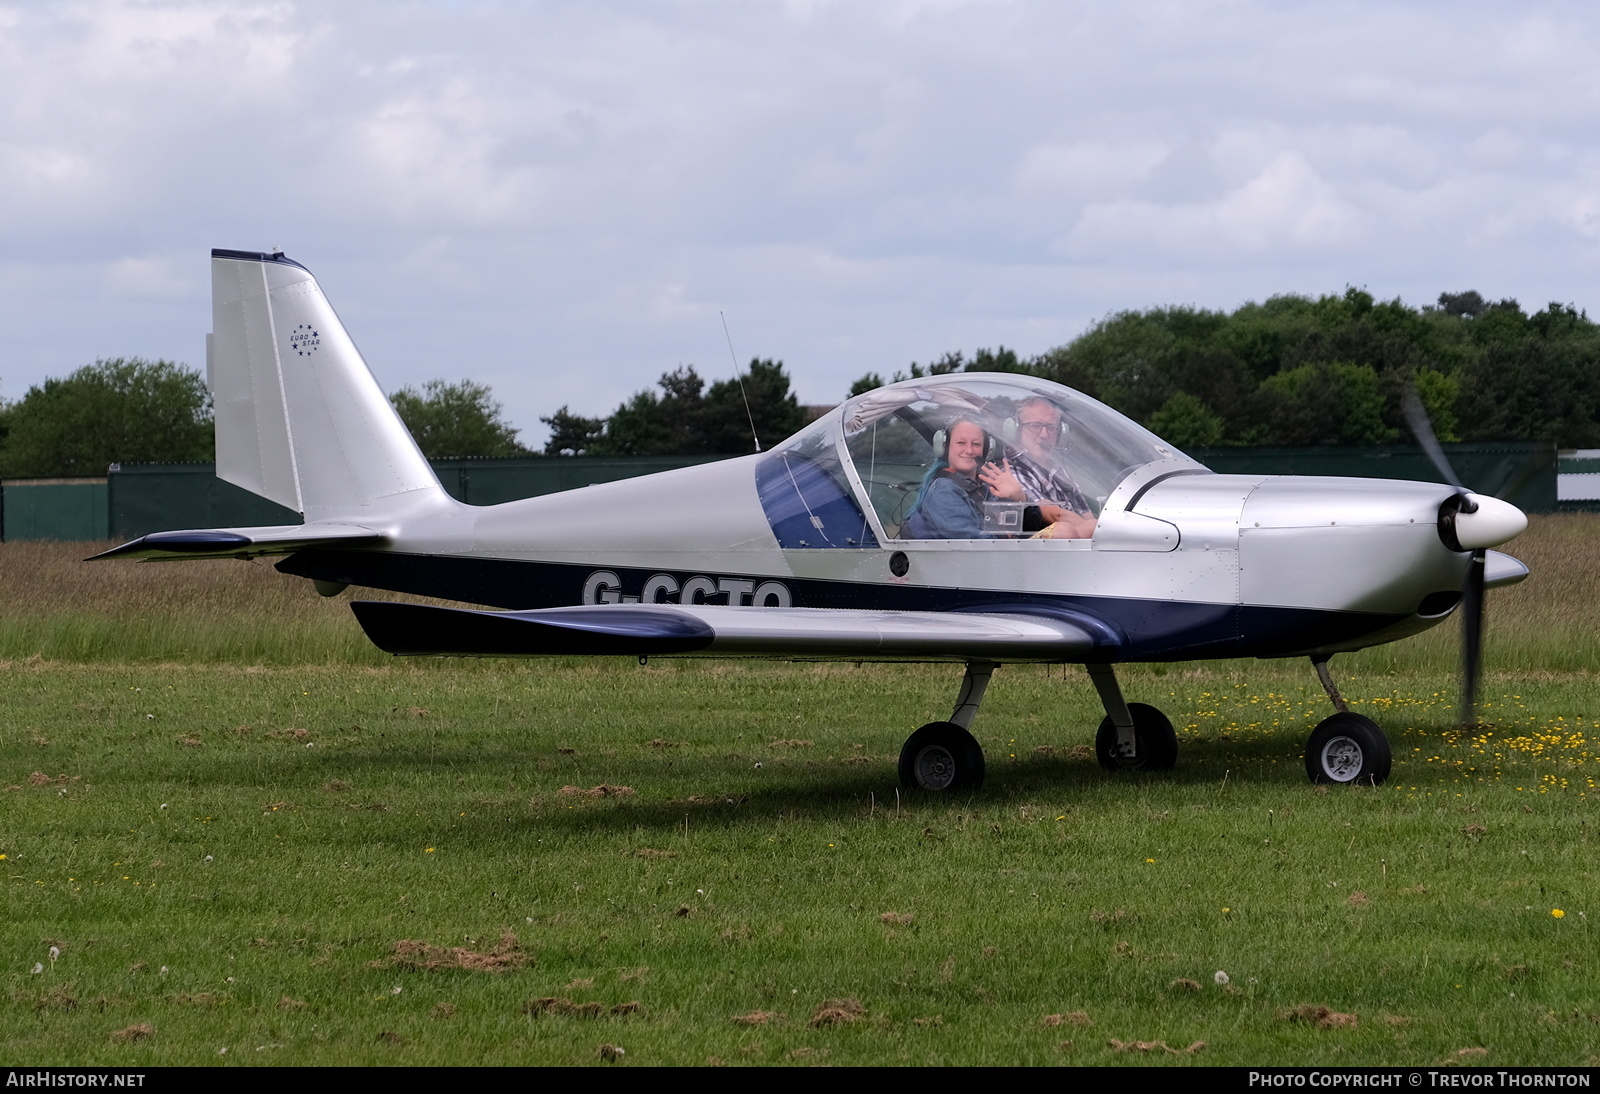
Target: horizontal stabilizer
{"points": [[280, 539], [639, 630]]}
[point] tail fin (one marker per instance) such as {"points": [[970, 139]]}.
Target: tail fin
{"points": [[300, 419]]}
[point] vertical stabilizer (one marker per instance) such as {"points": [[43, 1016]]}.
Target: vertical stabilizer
{"points": [[300, 418]]}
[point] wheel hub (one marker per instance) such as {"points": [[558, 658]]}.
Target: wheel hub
{"points": [[935, 767], [1342, 759]]}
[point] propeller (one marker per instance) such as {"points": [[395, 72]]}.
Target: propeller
{"points": [[1467, 522], [1422, 430]]}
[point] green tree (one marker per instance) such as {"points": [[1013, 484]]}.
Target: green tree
{"points": [[452, 420], [669, 424], [1438, 394], [1469, 304], [870, 382], [950, 362], [1534, 377], [571, 435], [1187, 422], [772, 409], [1338, 403], [685, 419], [1066, 367], [125, 410], [998, 359], [1133, 360]]}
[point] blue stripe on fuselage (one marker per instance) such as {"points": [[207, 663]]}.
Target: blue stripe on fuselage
{"points": [[1151, 630]]}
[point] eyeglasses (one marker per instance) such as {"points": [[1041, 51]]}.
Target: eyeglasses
{"points": [[1042, 427]]}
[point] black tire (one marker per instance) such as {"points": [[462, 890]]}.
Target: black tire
{"points": [[940, 757], [1348, 748], [1155, 742]]}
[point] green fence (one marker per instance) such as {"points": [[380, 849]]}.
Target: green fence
{"points": [[70, 510], [490, 482], [156, 497], [136, 499]]}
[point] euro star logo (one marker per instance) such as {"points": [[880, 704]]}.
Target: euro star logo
{"points": [[305, 340]]}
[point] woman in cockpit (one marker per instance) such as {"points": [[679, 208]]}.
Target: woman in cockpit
{"points": [[950, 504]]}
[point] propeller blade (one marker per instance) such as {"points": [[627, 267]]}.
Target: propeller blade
{"points": [[1422, 430], [1472, 590], [1472, 586]]}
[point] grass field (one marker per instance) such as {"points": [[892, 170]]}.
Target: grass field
{"points": [[233, 832]]}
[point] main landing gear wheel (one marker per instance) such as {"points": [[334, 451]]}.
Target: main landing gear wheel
{"points": [[1155, 742], [941, 756], [1348, 748]]}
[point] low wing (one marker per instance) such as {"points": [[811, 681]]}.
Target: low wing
{"points": [[279, 539], [794, 633]]}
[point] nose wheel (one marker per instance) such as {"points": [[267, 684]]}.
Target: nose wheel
{"points": [[1348, 748]]}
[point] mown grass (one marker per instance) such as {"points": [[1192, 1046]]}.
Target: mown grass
{"points": [[267, 831]]}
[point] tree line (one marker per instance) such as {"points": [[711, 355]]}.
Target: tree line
{"points": [[130, 410], [1293, 370], [1331, 370], [686, 418]]}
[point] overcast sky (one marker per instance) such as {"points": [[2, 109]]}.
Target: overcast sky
{"points": [[558, 199]]}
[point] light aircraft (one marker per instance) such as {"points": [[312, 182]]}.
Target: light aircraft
{"points": [[894, 528]]}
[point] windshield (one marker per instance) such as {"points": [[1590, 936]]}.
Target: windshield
{"points": [[974, 456]]}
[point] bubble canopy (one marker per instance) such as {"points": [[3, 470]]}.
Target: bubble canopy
{"points": [[964, 456]]}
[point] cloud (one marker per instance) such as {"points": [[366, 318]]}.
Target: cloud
{"points": [[106, 107], [435, 159], [1088, 167], [1285, 209], [149, 278]]}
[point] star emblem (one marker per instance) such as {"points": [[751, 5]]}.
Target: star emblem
{"points": [[305, 340]]}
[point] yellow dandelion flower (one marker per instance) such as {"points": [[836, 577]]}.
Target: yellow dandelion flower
{"points": [[1557, 912]]}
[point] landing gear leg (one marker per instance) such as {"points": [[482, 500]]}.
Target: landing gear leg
{"points": [[1347, 747], [944, 755], [970, 698], [1133, 736], [1320, 663]]}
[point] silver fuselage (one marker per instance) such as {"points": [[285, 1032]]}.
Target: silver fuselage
{"points": [[1197, 565]]}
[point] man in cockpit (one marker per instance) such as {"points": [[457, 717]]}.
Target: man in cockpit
{"points": [[1056, 509]]}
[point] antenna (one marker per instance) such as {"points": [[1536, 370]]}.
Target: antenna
{"points": [[738, 375]]}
